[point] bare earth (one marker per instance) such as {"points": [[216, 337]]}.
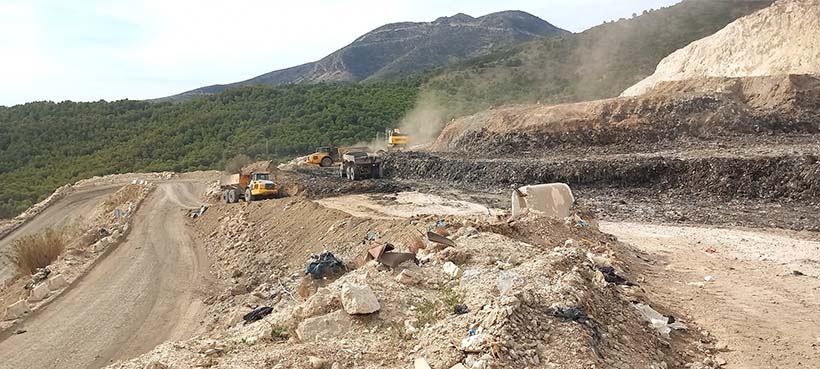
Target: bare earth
{"points": [[764, 315], [61, 213], [147, 291]]}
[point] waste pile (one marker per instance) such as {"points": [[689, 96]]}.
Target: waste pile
{"points": [[310, 287]]}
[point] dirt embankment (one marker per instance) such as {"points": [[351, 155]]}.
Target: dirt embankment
{"points": [[781, 39], [700, 108]]}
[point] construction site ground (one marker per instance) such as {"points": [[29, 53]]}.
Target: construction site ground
{"points": [[741, 271]]}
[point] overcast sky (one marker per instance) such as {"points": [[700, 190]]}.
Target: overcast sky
{"points": [[87, 50]]}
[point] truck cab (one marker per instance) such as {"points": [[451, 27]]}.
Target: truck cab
{"points": [[260, 186]]}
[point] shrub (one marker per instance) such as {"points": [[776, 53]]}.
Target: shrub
{"points": [[38, 250]]}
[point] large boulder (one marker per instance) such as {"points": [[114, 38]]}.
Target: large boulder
{"points": [[321, 302], [39, 293], [17, 309], [359, 299]]}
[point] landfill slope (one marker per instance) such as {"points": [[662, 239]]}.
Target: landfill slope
{"points": [[779, 40]]}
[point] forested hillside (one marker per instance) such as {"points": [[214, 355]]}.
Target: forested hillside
{"points": [[44, 145]]}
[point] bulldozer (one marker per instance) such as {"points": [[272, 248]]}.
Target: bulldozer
{"points": [[249, 187], [396, 140]]}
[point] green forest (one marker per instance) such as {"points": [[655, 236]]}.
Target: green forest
{"points": [[44, 145]]}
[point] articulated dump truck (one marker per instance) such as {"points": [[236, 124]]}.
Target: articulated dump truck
{"points": [[249, 187]]}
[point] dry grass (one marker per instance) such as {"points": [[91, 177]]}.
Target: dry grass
{"points": [[39, 250]]}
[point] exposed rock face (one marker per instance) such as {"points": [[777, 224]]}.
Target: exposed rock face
{"points": [[781, 39], [333, 325], [400, 49]]}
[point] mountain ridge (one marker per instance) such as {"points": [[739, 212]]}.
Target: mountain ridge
{"points": [[397, 50]]}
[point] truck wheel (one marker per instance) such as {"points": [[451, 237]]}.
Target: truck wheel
{"points": [[326, 162], [248, 195], [353, 175], [225, 197], [381, 171], [342, 171], [232, 196]]}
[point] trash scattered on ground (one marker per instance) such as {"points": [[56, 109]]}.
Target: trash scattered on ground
{"points": [[708, 278], [460, 309], [661, 323], [198, 213], [611, 277], [257, 314], [324, 264], [710, 250], [37, 277], [384, 254], [577, 315], [437, 238]]}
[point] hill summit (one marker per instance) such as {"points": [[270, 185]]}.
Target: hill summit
{"points": [[399, 49]]}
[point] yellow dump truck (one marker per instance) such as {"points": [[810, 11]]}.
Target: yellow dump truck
{"points": [[327, 156], [249, 187]]}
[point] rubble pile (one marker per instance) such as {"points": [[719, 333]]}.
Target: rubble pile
{"points": [[525, 293]]}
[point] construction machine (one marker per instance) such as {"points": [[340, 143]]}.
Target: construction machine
{"points": [[396, 140], [327, 156], [249, 187], [360, 165]]}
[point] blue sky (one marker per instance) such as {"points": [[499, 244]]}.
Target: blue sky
{"points": [[93, 50]]}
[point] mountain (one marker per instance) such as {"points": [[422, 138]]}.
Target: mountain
{"points": [[598, 63], [397, 50], [781, 39]]}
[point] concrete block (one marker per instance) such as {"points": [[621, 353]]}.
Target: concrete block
{"points": [[17, 309], [39, 293], [553, 199], [57, 282]]}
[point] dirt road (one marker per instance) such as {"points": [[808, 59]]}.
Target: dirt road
{"points": [[72, 207], [762, 313], [146, 291]]}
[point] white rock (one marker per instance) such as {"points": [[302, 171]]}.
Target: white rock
{"points": [[474, 343], [421, 363], [359, 299], [57, 282], [17, 309], [39, 293], [328, 326], [452, 270]]}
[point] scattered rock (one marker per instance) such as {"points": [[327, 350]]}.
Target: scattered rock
{"points": [[421, 363], [476, 343], [359, 299], [320, 303], [317, 363], [57, 282], [17, 309], [328, 326], [155, 365], [452, 270], [407, 277], [39, 293]]}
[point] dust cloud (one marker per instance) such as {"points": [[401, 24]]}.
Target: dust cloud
{"points": [[425, 121]]}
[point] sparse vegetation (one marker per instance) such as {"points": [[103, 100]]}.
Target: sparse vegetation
{"points": [[598, 63], [39, 250]]}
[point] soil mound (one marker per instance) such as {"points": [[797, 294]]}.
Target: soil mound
{"points": [[781, 39], [701, 108]]}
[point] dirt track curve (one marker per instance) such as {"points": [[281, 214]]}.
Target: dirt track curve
{"points": [[73, 207], [146, 291]]}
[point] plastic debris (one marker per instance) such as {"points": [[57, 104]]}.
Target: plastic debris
{"points": [[384, 254], [257, 314], [198, 213], [661, 323], [323, 264], [437, 238], [611, 277], [461, 309]]}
